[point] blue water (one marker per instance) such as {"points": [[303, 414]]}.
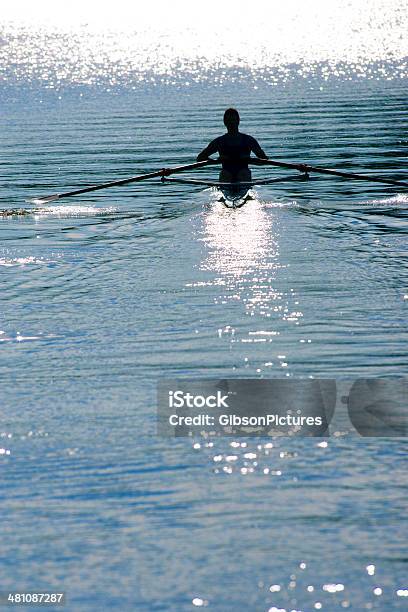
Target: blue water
{"points": [[104, 294]]}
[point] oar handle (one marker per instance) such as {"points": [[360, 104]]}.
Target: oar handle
{"points": [[270, 162]]}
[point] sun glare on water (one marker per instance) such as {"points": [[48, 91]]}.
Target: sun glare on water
{"points": [[125, 43], [243, 254]]}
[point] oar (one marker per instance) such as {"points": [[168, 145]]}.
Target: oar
{"points": [[306, 168], [133, 179]]}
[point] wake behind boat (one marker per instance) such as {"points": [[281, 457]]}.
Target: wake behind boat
{"points": [[233, 194]]}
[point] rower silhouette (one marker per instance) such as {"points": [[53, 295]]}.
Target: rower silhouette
{"points": [[234, 149]]}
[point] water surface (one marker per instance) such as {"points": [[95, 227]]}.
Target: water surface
{"points": [[104, 294]]}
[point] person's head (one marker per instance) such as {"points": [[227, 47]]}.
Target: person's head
{"points": [[231, 118]]}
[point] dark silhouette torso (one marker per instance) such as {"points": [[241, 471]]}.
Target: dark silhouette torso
{"points": [[234, 151]]}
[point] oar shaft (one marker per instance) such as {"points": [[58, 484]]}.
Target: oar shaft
{"points": [[140, 177], [319, 170]]}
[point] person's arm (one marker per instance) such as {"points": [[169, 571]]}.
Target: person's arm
{"points": [[255, 148], [210, 150]]}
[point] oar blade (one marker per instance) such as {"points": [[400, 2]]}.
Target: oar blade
{"points": [[43, 200]]}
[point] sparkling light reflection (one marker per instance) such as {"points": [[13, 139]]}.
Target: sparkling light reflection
{"points": [[126, 43], [243, 252]]}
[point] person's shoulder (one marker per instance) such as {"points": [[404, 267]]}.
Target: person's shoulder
{"points": [[248, 137], [216, 141]]}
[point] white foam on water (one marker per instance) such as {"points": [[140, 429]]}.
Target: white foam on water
{"points": [[9, 262], [396, 200], [72, 211], [19, 337]]}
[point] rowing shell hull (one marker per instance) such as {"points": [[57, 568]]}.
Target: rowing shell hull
{"points": [[235, 197]]}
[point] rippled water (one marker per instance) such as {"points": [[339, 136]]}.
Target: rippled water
{"points": [[106, 293]]}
